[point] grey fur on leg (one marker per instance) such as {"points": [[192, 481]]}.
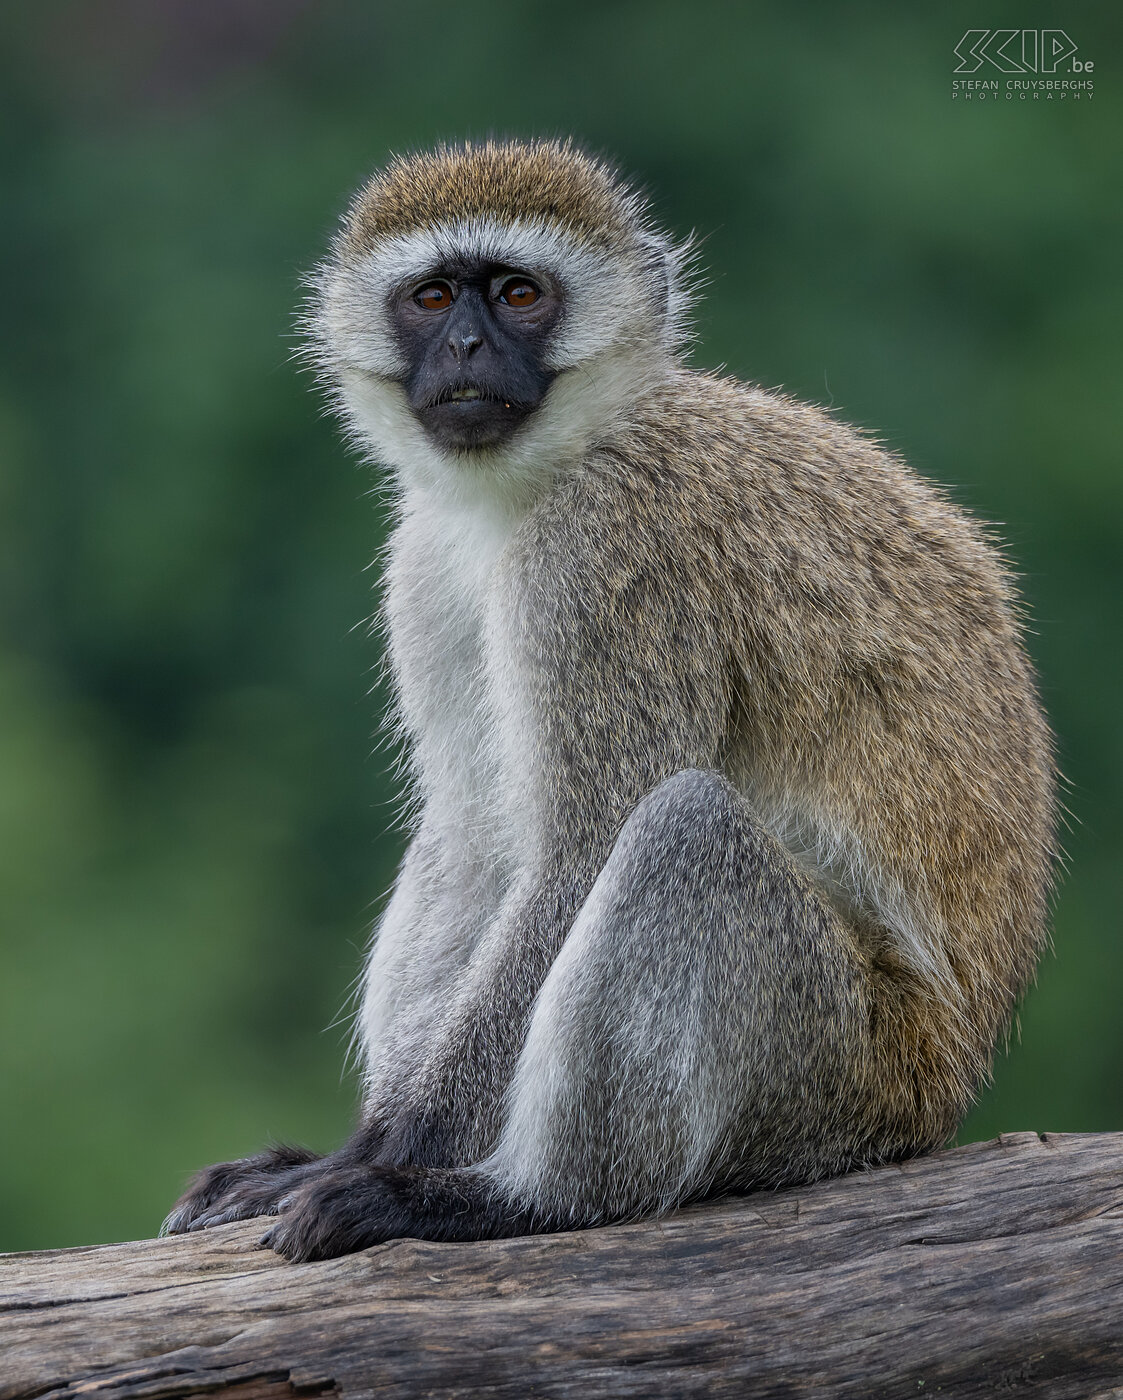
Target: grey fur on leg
{"points": [[696, 1028]]}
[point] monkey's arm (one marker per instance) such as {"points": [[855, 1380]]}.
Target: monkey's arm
{"points": [[420, 949], [417, 952], [624, 685]]}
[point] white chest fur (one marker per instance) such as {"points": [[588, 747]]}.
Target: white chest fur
{"points": [[455, 672]]}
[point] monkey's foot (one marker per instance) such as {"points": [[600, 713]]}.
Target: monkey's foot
{"points": [[238, 1190], [352, 1207]]}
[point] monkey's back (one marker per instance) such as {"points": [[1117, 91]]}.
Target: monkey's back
{"points": [[882, 714]]}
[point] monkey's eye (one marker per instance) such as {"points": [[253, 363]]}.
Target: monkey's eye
{"points": [[436, 296], [518, 291]]}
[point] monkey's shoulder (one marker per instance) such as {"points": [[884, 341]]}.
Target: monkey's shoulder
{"points": [[713, 466], [722, 499], [733, 445]]}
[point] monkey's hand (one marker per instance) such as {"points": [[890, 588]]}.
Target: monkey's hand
{"points": [[351, 1207], [238, 1190]]}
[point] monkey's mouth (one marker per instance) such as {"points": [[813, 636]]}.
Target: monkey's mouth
{"points": [[471, 393], [472, 415]]}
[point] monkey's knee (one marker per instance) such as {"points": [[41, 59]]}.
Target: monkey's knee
{"points": [[693, 811], [668, 878], [694, 853], [693, 796], [694, 889]]}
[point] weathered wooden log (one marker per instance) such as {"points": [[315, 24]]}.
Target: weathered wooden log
{"points": [[986, 1269]]}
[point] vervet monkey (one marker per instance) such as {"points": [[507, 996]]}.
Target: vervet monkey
{"points": [[735, 800]]}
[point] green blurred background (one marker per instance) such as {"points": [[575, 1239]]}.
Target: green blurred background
{"points": [[196, 826]]}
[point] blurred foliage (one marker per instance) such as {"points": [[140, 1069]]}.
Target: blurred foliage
{"points": [[195, 822]]}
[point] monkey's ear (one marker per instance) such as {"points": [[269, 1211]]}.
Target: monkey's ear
{"points": [[658, 273], [669, 284]]}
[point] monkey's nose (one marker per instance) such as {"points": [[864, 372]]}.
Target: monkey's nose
{"points": [[463, 344]]}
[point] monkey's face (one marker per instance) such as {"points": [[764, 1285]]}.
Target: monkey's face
{"points": [[488, 312], [474, 337]]}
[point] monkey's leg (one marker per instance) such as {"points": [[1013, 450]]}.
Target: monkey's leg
{"points": [[706, 1024]]}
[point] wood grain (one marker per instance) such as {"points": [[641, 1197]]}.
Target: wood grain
{"points": [[992, 1269]]}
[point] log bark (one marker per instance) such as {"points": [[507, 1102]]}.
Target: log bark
{"points": [[995, 1268]]}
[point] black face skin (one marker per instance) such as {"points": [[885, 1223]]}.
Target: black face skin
{"points": [[474, 335]]}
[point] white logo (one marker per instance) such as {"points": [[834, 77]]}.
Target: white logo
{"points": [[1017, 51]]}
